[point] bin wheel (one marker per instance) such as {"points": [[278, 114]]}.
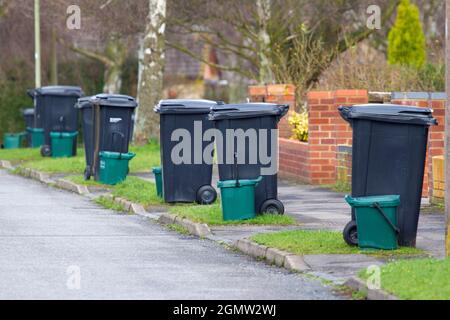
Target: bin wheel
{"points": [[87, 174], [46, 151], [351, 234], [206, 195], [272, 206]]}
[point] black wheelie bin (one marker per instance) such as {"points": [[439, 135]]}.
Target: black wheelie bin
{"points": [[106, 124], [28, 117], [389, 150], [186, 177], [55, 112], [246, 120]]}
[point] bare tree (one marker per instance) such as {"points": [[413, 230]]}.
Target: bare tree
{"points": [[151, 79], [250, 30]]}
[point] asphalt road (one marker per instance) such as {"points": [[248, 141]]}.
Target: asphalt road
{"points": [[57, 245]]}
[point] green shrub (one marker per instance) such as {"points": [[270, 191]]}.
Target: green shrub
{"points": [[406, 39], [13, 98]]}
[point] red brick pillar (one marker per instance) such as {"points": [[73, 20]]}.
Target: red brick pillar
{"points": [[276, 93], [327, 130]]}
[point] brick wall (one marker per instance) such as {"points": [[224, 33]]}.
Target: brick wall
{"points": [[294, 160], [326, 157], [327, 130]]}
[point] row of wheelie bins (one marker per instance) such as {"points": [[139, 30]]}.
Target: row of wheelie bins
{"points": [[197, 125]]}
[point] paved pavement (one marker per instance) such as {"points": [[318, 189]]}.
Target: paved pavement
{"points": [[52, 240]]}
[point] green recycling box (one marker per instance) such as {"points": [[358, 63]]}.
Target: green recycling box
{"points": [[376, 219], [37, 137], [62, 144], [238, 199], [13, 140], [114, 166], [157, 171]]}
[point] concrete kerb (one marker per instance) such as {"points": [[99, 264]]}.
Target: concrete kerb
{"points": [[6, 165], [272, 255], [200, 230], [372, 294], [71, 186]]}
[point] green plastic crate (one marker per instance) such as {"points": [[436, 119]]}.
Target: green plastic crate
{"points": [[157, 171], [376, 219], [114, 166], [238, 199], [37, 137], [13, 140], [62, 144]]}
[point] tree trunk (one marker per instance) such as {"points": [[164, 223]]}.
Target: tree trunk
{"points": [[447, 131], [116, 52], [151, 84], [113, 79], [265, 63]]}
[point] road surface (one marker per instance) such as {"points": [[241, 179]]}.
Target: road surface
{"points": [[58, 245]]}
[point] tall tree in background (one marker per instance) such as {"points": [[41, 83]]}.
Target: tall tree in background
{"points": [[151, 80], [265, 70], [406, 39]]}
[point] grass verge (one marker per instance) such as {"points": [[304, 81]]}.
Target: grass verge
{"points": [[139, 191], [422, 279], [305, 242], [212, 215], [18, 155], [88, 183], [147, 157], [59, 165]]}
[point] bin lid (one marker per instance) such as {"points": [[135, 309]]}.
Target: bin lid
{"points": [[242, 183], [175, 106], [111, 100], [248, 110], [383, 201], [58, 91], [63, 134], [28, 112], [389, 113], [117, 155]]}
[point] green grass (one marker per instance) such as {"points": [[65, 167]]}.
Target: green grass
{"points": [[139, 191], [177, 228], [212, 215], [18, 155], [109, 204], [147, 157], [89, 183], [341, 187], [59, 165], [304, 242], [423, 279]]}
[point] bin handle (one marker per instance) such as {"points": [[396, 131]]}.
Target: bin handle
{"points": [[377, 206], [236, 170], [121, 135], [62, 121]]}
